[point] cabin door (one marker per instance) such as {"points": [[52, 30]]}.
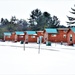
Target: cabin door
{"points": [[71, 38]]}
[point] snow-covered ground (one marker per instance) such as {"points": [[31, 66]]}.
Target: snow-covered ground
{"points": [[54, 59]]}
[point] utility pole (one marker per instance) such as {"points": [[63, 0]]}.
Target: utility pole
{"points": [[24, 41], [40, 39], [24, 45], [39, 48]]}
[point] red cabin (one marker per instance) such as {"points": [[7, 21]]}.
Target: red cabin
{"points": [[31, 36], [50, 34], [71, 36], [7, 36], [62, 34]]}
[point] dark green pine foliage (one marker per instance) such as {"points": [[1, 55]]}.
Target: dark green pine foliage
{"points": [[40, 20], [71, 19]]}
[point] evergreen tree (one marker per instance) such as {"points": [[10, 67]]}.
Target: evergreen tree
{"points": [[55, 23], [40, 21], [71, 19]]}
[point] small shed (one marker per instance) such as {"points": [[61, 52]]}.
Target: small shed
{"points": [[71, 36], [31, 36], [19, 36], [50, 34], [62, 34], [7, 36]]}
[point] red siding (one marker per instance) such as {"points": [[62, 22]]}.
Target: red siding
{"points": [[32, 38], [52, 38], [7, 38], [20, 37], [13, 36], [40, 33], [46, 37], [59, 36], [73, 37]]}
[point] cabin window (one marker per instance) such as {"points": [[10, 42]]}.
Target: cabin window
{"points": [[32, 36], [53, 35], [64, 36], [8, 36], [21, 36], [70, 37]]}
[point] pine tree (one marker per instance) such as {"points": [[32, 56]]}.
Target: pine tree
{"points": [[71, 19]]}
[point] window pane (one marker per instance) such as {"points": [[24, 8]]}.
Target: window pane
{"points": [[32, 36], [64, 36], [53, 35]]}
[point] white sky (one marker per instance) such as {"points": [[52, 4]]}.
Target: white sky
{"points": [[22, 8]]}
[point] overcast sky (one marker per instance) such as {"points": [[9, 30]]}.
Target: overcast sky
{"points": [[22, 8]]}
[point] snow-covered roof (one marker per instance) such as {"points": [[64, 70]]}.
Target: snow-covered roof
{"points": [[7, 33], [31, 32], [73, 29], [19, 33], [51, 30]]}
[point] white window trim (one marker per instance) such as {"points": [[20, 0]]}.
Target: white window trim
{"points": [[21, 36], [64, 36], [33, 36], [71, 37], [53, 35]]}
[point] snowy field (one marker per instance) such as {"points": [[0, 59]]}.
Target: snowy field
{"points": [[54, 59]]}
